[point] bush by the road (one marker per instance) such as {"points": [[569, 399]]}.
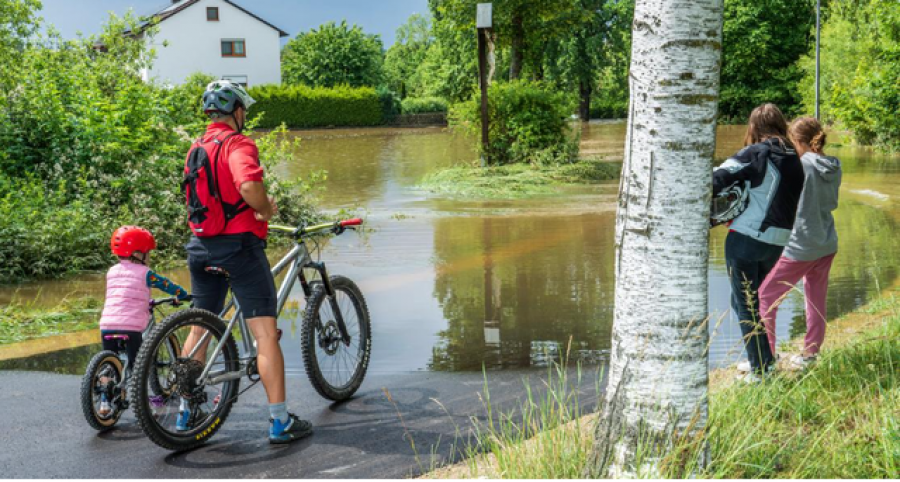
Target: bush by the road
{"points": [[423, 105], [302, 106], [529, 123]]}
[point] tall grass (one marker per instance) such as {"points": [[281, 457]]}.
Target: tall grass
{"points": [[838, 419]]}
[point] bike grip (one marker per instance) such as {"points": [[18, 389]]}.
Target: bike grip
{"points": [[351, 222]]}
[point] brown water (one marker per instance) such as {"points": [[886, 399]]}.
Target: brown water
{"points": [[457, 284]]}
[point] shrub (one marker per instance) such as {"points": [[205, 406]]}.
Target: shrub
{"points": [[528, 123], [423, 105], [302, 106], [390, 102]]}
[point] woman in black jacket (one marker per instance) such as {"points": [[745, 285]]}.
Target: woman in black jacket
{"points": [[771, 170]]}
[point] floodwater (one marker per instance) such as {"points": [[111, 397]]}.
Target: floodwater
{"points": [[461, 284]]}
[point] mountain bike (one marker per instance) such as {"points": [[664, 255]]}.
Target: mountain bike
{"points": [[106, 376], [335, 339]]}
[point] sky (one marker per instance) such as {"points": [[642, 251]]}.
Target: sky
{"points": [[380, 17]]}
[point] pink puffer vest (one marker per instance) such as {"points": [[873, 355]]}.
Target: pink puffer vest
{"points": [[127, 306]]}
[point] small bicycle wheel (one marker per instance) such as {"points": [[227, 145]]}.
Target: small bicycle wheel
{"points": [[336, 369], [190, 412], [103, 376], [159, 373]]}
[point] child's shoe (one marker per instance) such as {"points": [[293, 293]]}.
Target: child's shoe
{"points": [[294, 429], [105, 408], [800, 362]]}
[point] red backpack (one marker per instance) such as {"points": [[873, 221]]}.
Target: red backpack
{"points": [[208, 214]]}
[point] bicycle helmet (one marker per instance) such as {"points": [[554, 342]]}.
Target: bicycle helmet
{"points": [[729, 204], [225, 96], [128, 239]]}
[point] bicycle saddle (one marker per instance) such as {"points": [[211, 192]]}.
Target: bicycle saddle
{"points": [[215, 270], [115, 337]]}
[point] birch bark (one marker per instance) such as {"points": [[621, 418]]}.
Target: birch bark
{"points": [[658, 376]]}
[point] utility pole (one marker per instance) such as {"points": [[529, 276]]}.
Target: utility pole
{"points": [[483, 24], [818, 35]]}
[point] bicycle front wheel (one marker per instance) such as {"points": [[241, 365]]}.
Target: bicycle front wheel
{"points": [[188, 411], [336, 369]]}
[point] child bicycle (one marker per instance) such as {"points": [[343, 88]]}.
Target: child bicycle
{"points": [[106, 378], [335, 340]]}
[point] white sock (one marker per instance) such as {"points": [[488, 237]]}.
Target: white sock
{"points": [[183, 406]]}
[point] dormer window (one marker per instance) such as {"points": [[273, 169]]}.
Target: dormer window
{"points": [[212, 14]]}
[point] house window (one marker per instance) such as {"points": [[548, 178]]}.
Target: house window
{"points": [[233, 48], [212, 14], [237, 79]]}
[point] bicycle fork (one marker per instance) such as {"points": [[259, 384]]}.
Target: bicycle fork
{"points": [[332, 299]]}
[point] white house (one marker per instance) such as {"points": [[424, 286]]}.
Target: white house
{"points": [[216, 37]]}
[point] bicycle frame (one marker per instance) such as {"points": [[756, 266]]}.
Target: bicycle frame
{"points": [[296, 260]]}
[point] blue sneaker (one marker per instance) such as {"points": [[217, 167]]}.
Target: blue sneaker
{"points": [[294, 429], [186, 422]]}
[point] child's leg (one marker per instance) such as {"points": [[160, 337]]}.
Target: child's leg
{"points": [[816, 286], [783, 278]]}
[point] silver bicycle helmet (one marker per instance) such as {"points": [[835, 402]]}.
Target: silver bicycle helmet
{"points": [[729, 203], [225, 96]]}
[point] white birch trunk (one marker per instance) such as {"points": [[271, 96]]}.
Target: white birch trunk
{"points": [[658, 377]]}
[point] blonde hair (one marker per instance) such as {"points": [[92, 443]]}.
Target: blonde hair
{"points": [[766, 121], [809, 131]]}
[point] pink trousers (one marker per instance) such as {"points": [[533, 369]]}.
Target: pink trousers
{"points": [[781, 280]]}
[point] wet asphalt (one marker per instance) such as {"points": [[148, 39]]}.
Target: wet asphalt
{"points": [[426, 422]]}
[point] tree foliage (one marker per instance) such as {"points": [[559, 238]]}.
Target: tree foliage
{"points": [[762, 41], [404, 61], [860, 74], [331, 55], [18, 22]]}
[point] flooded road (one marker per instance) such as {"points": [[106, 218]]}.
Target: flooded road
{"points": [[456, 284]]}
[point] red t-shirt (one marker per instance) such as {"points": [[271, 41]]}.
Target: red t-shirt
{"points": [[238, 163]]}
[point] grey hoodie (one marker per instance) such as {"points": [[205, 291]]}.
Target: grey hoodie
{"points": [[814, 235]]}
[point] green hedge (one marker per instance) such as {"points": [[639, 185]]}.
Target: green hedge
{"points": [[423, 105], [302, 106]]}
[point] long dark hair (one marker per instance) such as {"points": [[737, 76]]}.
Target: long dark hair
{"points": [[766, 121]]}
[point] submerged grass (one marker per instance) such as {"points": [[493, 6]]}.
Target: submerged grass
{"points": [[839, 419], [20, 322], [516, 180]]}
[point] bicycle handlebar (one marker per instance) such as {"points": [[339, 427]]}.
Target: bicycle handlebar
{"points": [[169, 301], [336, 227]]}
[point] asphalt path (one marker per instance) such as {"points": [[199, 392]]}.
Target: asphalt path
{"points": [[424, 423]]}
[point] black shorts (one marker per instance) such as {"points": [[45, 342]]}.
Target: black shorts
{"points": [[243, 256]]}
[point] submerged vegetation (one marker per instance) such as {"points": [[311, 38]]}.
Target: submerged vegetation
{"points": [[838, 419], [516, 180], [20, 322]]}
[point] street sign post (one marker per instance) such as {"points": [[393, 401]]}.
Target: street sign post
{"points": [[484, 24]]}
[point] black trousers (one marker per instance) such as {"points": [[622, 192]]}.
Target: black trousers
{"points": [[749, 262]]}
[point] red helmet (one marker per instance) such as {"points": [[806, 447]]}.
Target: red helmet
{"points": [[128, 239]]}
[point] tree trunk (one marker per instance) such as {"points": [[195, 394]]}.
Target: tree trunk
{"points": [[584, 107], [658, 376], [516, 53]]}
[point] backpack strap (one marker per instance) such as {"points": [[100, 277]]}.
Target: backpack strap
{"points": [[230, 210]]}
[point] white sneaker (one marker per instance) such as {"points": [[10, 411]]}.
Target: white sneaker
{"points": [[744, 366], [800, 362], [750, 378], [104, 409]]}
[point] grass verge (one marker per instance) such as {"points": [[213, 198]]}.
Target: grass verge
{"points": [[20, 322], [839, 419], [516, 180]]}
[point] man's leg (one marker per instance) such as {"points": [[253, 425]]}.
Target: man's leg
{"points": [[816, 286], [270, 359], [783, 278]]}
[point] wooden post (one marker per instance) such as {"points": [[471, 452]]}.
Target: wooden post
{"points": [[483, 27]]}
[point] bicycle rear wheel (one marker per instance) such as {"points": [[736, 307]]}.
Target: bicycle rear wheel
{"points": [[207, 405], [335, 369], [104, 373]]}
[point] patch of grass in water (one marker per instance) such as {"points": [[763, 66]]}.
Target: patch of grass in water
{"points": [[516, 180], [20, 322]]}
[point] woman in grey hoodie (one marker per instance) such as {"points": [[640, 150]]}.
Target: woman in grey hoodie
{"points": [[813, 244]]}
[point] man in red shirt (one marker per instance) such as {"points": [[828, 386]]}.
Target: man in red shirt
{"points": [[240, 250]]}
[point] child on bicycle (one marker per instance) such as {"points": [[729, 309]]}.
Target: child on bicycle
{"points": [[128, 283]]}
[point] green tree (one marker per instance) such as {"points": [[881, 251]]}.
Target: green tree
{"points": [[860, 75], [763, 39], [331, 55], [404, 59], [18, 22]]}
